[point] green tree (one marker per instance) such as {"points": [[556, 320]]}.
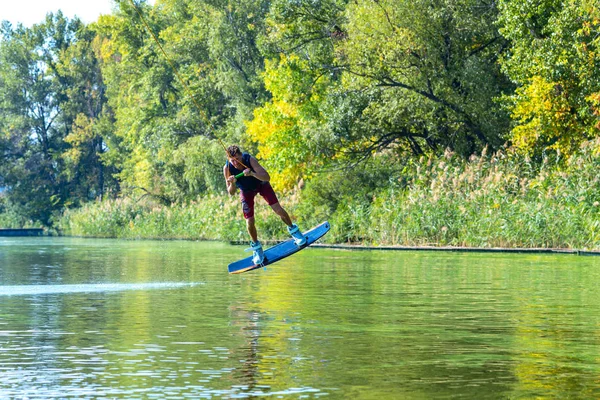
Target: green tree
{"points": [[48, 77], [374, 76], [431, 69], [203, 86], [555, 61], [237, 30], [91, 119]]}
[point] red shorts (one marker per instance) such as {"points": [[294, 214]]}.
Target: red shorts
{"points": [[247, 197]]}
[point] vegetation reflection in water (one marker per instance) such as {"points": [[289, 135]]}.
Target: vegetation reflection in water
{"points": [[324, 322]]}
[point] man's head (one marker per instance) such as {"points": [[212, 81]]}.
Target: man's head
{"points": [[233, 151], [235, 156]]}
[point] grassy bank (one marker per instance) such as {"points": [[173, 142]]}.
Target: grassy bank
{"points": [[212, 217], [500, 200], [10, 218]]}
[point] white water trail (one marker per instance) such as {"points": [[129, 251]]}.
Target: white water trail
{"points": [[20, 290]]}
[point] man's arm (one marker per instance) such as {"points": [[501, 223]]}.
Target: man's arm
{"points": [[229, 180], [259, 172]]}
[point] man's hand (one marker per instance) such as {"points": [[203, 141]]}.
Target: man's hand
{"points": [[229, 181], [248, 172]]}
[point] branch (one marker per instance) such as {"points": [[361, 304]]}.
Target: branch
{"points": [[483, 47], [389, 82], [387, 16], [164, 199]]}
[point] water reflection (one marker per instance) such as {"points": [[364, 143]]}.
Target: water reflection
{"points": [[116, 319]]}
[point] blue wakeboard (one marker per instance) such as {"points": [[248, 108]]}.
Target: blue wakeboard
{"points": [[279, 251]]}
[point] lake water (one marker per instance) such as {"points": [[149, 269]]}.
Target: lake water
{"points": [[83, 318]]}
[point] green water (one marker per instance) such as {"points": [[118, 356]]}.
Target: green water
{"points": [[82, 318]]}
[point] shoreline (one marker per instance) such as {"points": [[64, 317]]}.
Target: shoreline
{"points": [[360, 247], [533, 250], [456, 249]]}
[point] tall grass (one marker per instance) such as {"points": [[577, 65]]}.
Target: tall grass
{"points": [[498, 200], [11, 218], [212, 217], [502, 200]]}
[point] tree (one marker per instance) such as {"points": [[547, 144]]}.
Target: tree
{"points": [[431, 69], [41, 94], [555, 62], [202, 86], [287, 127], [90, 117], [382, 76]]}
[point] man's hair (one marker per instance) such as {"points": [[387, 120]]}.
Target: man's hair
{"points": [[233, 150]]}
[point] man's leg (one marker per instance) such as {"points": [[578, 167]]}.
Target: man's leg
{"points": [[267, 192], [247, 199], [285, 217], [248, 207], [293, 229], [252, 229], [258, 255]]}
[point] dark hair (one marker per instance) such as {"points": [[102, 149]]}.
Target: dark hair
{"points": [[233, 150]]}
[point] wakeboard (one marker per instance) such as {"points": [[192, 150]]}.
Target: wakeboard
{"points": [[280, 251]]}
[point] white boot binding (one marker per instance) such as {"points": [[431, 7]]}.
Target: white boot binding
{"points": [[258, 255], [299, 238]]}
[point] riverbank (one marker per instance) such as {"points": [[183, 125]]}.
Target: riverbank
{"points": [[21, 232], [453, 249], [460, 249]]}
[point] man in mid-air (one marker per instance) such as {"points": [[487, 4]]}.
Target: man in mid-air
{"points": [[255, 181]]}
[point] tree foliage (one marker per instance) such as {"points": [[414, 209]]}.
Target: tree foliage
{"points": [[308, 86], [203, 85], [384, 75], [51, 94], [555, 61]]}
